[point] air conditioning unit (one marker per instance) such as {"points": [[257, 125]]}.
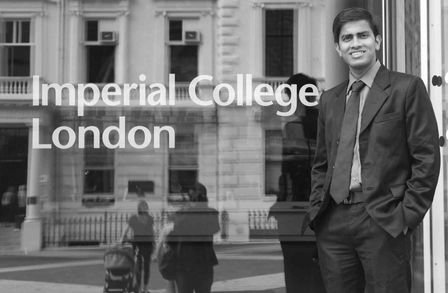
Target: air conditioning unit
{"points": [[108, 37], [192, 37]]}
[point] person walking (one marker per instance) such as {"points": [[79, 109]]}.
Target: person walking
{"points": [[376, 166], [192, 235], [142, 227]]}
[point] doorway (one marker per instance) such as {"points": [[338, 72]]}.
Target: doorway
{"points": [[13, 167]]}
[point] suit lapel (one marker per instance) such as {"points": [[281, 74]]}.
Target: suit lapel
{"points": [[339, 109], [338, 116], [376, 97]]}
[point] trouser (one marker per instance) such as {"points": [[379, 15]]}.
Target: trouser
{"points": [[291, 263], [356, 255], [195, 281], [144, 251]]}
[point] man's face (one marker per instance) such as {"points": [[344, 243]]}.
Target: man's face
{"points": [[357, 46]]}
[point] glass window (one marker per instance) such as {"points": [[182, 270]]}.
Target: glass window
{"points": [[92, 30], [279, 37], [183, 163], [98, 168], [175, 29], [15, 48], [100, 58], [184, 62], [100, 64]]}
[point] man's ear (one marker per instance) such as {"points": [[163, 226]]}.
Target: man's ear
{"points": [[378, 40], [336, 46]]}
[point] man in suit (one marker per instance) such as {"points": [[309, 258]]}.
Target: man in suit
{"points": [[376, 166]]}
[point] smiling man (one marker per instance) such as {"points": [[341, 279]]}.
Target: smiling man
{"points": [[376, 166]]}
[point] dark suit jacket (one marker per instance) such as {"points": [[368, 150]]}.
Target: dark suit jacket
{"points": [[194, 227], [398, 146]]}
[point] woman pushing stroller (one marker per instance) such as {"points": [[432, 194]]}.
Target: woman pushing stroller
{"points": [[141, 226]]}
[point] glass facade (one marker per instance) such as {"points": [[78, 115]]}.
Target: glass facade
{"points": [[254, 164]]}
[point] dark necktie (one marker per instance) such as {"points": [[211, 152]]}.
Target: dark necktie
{"points": [[340, 182]]}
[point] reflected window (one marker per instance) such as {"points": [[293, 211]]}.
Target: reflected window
{"points": [[183, 54], [183, 163], [273, 161], [15, 48], [279, 42], [184, 62], [98, 168], [100, 56]]}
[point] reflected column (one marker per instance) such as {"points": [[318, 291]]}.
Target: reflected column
{"points": [[32, 226]]}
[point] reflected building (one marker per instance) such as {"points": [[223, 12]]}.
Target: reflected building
{"points": [[238, 152]]}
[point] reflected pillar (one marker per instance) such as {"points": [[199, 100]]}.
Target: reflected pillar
{"points": [[335, 69], [38, 189], [32, 226]]}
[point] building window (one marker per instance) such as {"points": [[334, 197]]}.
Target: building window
{"points": [[183, 54], [273, 161], [175, 28], [279, 42], [184, 62], [98, 168], [183, 163], [100, 54], [15, 47], [289, 154]]}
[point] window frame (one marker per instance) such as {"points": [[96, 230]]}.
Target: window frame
{"points": [[31, 43], [185, 132], [294, 39]]}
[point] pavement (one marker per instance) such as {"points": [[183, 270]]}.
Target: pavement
{"points": [[250, 267]]}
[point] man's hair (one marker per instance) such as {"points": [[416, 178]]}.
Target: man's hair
{"points": [[353, 14]]}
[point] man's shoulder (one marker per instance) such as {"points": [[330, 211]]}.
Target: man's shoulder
{"points": [[401, 76], [332, 93], [336, 89]]}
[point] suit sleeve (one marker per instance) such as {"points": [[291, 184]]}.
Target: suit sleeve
{"points": [[424, 152], [320, 163]]}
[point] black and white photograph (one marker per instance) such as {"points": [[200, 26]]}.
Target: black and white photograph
{"points": [[226, 146]]}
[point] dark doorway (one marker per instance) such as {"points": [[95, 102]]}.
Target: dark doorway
{"points": [[13, 160]]}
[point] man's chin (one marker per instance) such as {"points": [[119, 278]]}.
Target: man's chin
{"points": [[359, 65]]}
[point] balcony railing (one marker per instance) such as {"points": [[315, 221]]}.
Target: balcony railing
{"points": [[274, 82], [16, 85]]}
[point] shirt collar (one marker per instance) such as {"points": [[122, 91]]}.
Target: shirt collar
{"points": [[367, 78]]}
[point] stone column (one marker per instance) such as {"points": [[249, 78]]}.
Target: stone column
{"points": [[121, 57], [75, 47], [32, 226], [335, 69]]}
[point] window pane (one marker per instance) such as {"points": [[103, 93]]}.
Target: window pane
{"points": [[182, 180], [184, 62], [9, 31], [98, 181], [92, 30], [25, 32], [175, 30], [100, 64], [102, 157], [279, 42], [18, 60]]}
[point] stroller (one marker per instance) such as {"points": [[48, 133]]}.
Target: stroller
{"points": [[120, 270]]}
